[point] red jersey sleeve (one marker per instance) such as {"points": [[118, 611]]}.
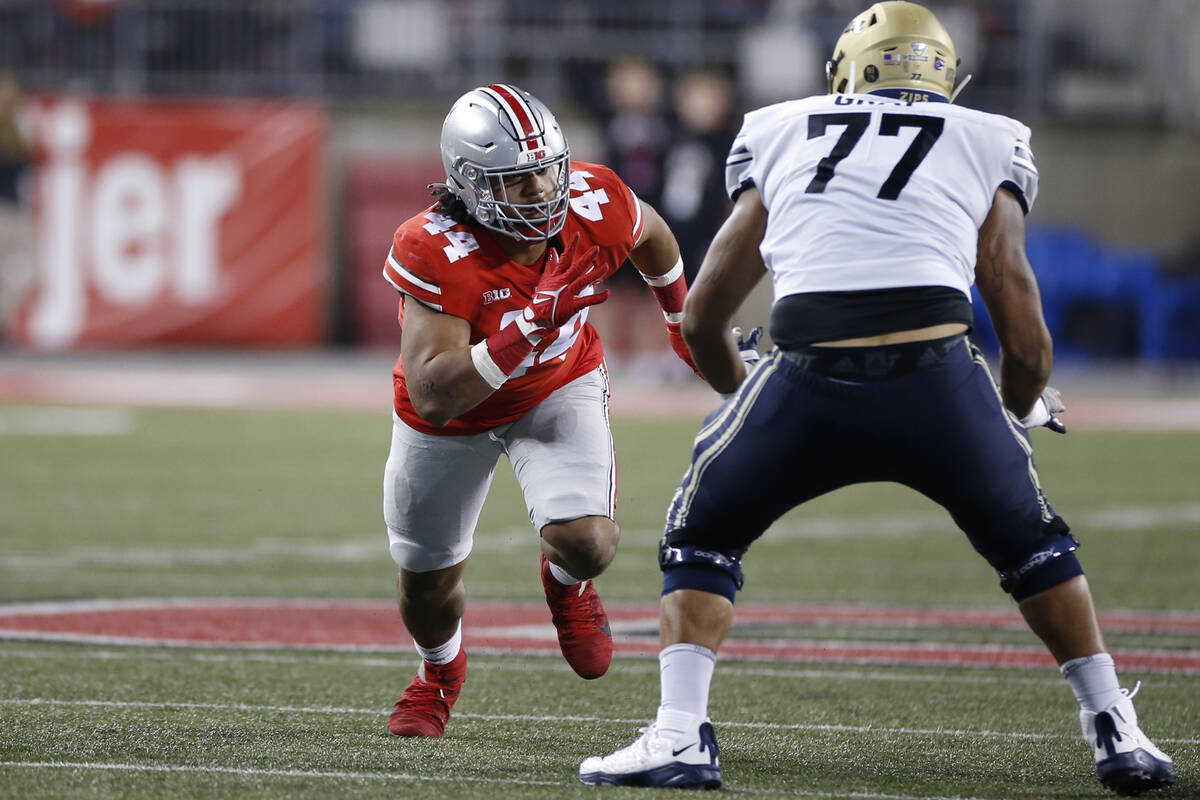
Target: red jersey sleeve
{"points": [[605, 207], [423, 248]]}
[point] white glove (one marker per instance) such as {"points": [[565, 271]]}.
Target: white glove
{"points": [[748, 347], [1043, 411]]}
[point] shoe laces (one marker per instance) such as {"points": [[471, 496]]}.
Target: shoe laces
{"points": [[575, 605], [424, 691], [635, 750], [1129, 695], [646, 735], [426, 699]]}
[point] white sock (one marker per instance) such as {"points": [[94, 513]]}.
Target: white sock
{"points": [[443, 653], [685, 675], [562, 576], [1094, 681]]}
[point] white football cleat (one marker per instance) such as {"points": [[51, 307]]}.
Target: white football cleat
{"points": [[655, 759], [1126, 760]]}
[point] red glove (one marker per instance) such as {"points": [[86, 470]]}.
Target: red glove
{"points": [[680, 346], [670, 289], [556, 298]]}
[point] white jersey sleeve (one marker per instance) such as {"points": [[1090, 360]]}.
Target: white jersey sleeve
{"points": [[866, 192], [738, 166], [1023, 181]]}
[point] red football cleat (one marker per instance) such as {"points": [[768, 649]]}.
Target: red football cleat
{"points": [[582, 625], [424, 708]]}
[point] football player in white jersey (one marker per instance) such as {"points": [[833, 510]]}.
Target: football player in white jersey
{"points": [[874, 208]]}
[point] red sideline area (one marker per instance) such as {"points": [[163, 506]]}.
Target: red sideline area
{"points": [[525, 628]]}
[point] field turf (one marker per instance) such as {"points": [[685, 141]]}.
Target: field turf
{"points": [[286, 505]]}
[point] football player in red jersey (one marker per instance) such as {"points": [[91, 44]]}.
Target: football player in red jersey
{"points": [[497, 356]]}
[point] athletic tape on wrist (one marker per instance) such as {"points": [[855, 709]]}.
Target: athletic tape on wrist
{"points": [[500, 354], [485, 366], [670, 290]]}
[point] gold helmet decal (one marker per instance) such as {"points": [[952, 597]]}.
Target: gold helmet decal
{"points": [[894, 45]]}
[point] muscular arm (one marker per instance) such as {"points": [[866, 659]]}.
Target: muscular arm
{"points": [[731, 269], [1010, 292], [442, 380], [657, 251]]}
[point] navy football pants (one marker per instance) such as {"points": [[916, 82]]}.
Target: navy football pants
{"points": [[790, 434]]}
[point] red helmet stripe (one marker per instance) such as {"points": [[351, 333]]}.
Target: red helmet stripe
{"points": [[515, 105]]}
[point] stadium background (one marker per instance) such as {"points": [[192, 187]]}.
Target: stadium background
{"points": [[227, 174]]}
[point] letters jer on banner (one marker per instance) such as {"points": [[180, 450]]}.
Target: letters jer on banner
{"points": [[177, 224]]}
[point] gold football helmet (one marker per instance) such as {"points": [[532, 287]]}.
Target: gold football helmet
{"points": [[895, 45]]}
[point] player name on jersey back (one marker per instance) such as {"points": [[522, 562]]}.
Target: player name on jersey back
{"points": [[867, 192]]}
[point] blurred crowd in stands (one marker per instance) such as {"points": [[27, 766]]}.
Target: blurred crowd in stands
{"points": [[665, 82], [1137, 60]]}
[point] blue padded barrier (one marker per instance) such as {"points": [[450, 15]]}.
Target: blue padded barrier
{"points": [[1171, 320], [1103, 302]]}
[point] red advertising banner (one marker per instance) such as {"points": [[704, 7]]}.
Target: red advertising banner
{"points": [[380, 193], [177, 224]]}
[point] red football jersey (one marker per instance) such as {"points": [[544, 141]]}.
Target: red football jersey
{"points": [[460, 270]]}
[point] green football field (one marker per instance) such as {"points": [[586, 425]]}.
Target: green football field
{"points": [[114, 508]]}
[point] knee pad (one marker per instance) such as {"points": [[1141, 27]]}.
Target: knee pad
{"points": [[1054, 562], [704, 569]]}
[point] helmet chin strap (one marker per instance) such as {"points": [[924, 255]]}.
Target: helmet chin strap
{"points": [[961, 85], [850, 86]]}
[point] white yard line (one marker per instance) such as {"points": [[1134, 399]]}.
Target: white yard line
{"points": [[553, 718], [281, 773], [408, 778], [549, 662], [365, 549], [64, 421]]}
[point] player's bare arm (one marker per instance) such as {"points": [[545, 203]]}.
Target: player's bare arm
{"points": [[656, 252], [656, 256], [1010, 291], [732, 268], [442, 379]]}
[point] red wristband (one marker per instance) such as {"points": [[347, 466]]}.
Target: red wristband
{"points": [[508, 348], [670, 290], [671, 296]]}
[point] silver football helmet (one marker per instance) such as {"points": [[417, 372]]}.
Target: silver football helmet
{"points": [[494, 134]]}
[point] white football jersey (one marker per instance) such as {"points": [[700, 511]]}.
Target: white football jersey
{"points": [[869, 192]]}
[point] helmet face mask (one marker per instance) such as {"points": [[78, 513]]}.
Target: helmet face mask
{"points": [[894, 45], [500, 206], [495, 141]]}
